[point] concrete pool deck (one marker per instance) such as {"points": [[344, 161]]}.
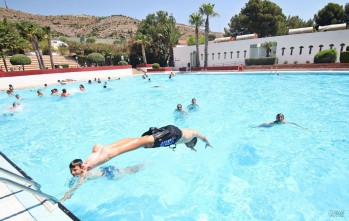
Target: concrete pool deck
{"points": [[17, 204]]}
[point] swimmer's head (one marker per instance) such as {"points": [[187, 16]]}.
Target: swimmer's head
{"points": [[193, 101], [17, 96], [76, 167], [64, 90], [15, 104], [179, 107], [280, 117]]}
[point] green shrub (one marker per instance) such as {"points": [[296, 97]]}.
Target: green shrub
{"points": [[260, 61], [156, 65], [347, 48], [20, 59], [122, 63], [95, 58], [326, 56], [344, 57]]}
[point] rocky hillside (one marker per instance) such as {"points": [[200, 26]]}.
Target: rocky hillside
{"points": [[111, 27]]}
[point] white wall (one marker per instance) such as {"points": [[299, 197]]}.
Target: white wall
{"points": [[182, 54], [41, 79]]}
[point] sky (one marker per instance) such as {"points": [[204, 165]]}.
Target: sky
{"points": [[179, 9]]}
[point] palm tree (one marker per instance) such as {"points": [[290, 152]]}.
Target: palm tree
{"points": [[143, 40], [47, 31], [196, 20], [9, 40], [267, 46], [31, 32], [207, 10], [171, 35]]}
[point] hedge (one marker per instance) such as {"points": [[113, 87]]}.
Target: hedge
{"points": [[95, 58], [122, 63], [260, 61], [156, 65], [326, 56], [344, 57], [20, 59]]}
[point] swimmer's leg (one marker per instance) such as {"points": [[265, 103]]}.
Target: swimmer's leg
{"points": [[101, 154]]}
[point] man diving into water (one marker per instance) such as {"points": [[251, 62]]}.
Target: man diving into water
{"points": [[167, 136]]}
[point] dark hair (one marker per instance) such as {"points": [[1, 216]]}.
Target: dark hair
{"points": [[76, 162], [64, 90]]}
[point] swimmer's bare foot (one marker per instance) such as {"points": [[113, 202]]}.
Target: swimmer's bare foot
{"points": [[97, 157]]}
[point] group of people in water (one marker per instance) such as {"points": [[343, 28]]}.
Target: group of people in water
{"points": [[54, 91]]}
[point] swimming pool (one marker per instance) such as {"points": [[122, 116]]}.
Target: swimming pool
{"points": [[282, 172]]}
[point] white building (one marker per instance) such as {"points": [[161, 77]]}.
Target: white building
{"points": [[295, 48]]}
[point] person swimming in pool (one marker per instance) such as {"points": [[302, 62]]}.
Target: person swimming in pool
{"points": [[168, 136], [280, 119], [193, 106], [110, 172]]}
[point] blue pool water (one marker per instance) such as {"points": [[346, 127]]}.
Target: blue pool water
{"points": [[278, 173]]}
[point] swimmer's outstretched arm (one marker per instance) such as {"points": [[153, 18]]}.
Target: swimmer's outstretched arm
{"points": [[203, 138], [296, 125], [189, 134], [131, 169], [70, 192]]}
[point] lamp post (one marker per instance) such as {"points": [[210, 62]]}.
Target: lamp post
{"points": [[77, 61]]}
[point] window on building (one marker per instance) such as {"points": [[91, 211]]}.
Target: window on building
{"points": [[291, 50], [238, 54], [331, 46], [231, 55], [245, 52], [219, 55], [310, 48], [300, 49], [342, 46], [212, 56], [225, 55], [320, 47], [283, 51]]}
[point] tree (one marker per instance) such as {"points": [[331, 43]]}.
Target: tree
{"points": [[32, 32], [172, 35], [262, 17], [196, 20], [208, 11], [10, 40], [159, 27], [47, 31], [192, 41], [91, 40], [296, 22], [331, 14], [143, 40], [20, 59], [267, 46], [95, 58], [346, 13]]}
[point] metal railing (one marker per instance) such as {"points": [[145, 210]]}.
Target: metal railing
{"points": [[35, 191], [35, 184]]}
